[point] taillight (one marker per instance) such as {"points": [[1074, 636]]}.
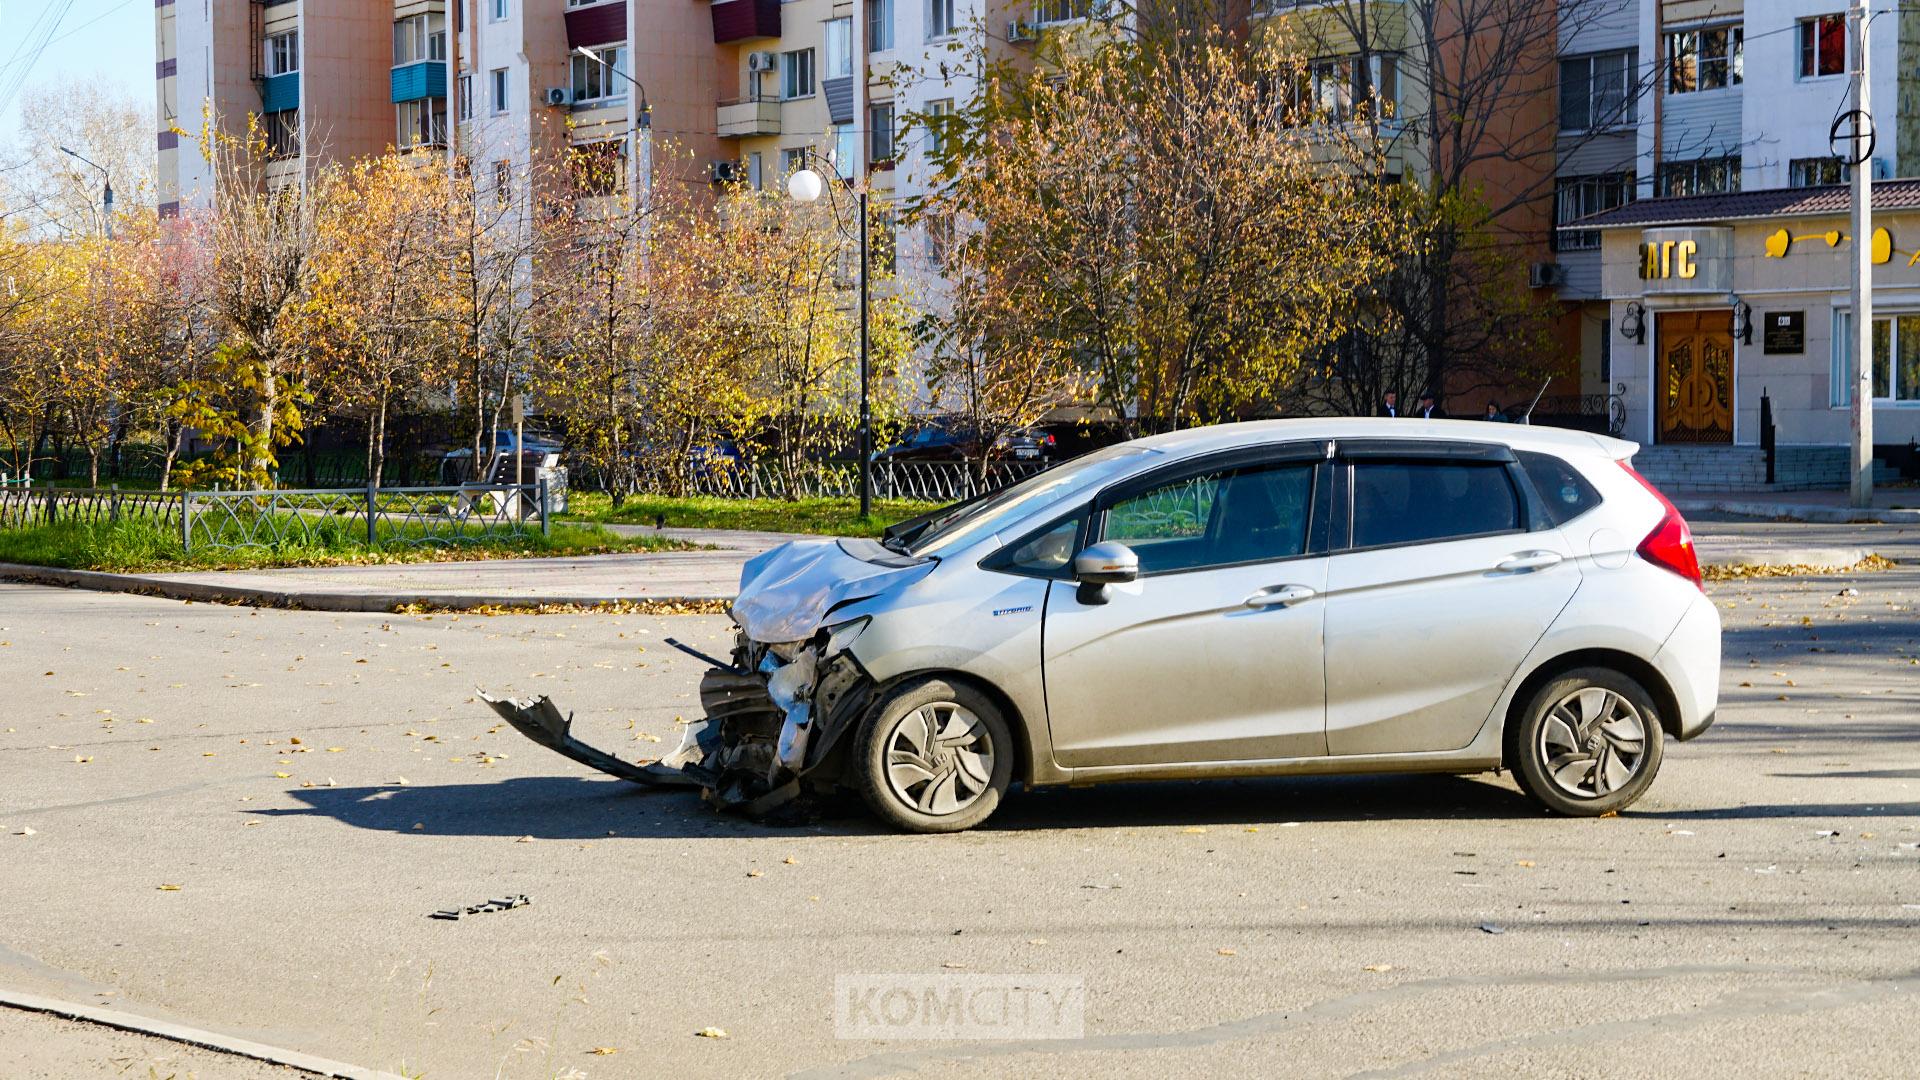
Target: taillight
{"points": [[1670, 545]]}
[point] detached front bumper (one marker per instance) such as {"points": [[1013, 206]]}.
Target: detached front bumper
{"points": [[775, 722]]}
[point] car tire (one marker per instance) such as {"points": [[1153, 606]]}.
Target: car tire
{"points": [[933, 756], [1586, 743]]}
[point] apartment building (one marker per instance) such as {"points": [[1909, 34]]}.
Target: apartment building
{"points": [[494, 81], [1709, 257], [313, 73]]}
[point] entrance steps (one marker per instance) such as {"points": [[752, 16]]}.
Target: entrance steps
{"points": [[1703, 470]]}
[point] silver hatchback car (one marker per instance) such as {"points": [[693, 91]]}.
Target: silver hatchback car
{"points": [[1285, 597]]}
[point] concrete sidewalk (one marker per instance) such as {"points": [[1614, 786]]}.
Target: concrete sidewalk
{"points": [[1891, 506], [713, 575]]}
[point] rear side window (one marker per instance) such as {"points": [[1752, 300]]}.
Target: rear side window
{"points": [[1412, 502], [1564, 493]]}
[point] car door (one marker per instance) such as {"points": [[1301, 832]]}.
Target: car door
{"points": [[1447, 577], [1213, 653]]}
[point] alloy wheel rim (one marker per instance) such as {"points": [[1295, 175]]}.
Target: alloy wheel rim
{"points": [[939, 759], [1593, 743]]}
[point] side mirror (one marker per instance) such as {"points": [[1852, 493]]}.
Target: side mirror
{"points": [[1103, 564]]}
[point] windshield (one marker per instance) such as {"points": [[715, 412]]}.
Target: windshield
{"points": [[968, 522]]}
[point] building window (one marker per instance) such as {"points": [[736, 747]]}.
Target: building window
{"points": [[597, 168], [939, 239], [756, 171], [499, 90], [420, 123], [796, 73], [1817, 172], [465, 89], [1702, 176], [879, 25], [1329, 87], [1576, 197], [283, 53], [1896, 360], [591, 79], [838, 49], [1597, 92], [421, 37], [498, 10], [502, 181], [283, 134], [793, 160], [1823, 46], [1708, 58], [1059, 11], [939, 121], [880, 132], [846, 151], [940, 20]]}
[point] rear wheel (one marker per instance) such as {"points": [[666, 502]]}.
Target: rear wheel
{"points": [[1587, 743], [934, 756]]}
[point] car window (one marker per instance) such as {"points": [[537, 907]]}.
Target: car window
{"points": [[1046, 553], [1219, 518], [1564, 493], [971, 521], [1409, 502]]}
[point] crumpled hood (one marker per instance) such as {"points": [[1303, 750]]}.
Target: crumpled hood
{"points": [[786, 592]]}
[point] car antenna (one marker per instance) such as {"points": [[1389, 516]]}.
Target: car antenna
{"points": [[1527, 417]]}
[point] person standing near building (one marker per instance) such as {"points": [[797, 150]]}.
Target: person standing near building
{"points": [[1427, 409], [1494, 415], [1389, 404]]}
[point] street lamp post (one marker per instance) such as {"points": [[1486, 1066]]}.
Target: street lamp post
{"points": [[643, 133], [805, 186], [106, 192]]}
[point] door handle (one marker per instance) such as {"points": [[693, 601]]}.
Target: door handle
{"points": [[1524, 561], [1279, 596]]}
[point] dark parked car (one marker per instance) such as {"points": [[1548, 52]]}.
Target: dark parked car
{"points": [[940, 441]]}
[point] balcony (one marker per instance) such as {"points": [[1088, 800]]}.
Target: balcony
{"points": [[412, 82], [754, 116], [739, 20], [280, 93]]}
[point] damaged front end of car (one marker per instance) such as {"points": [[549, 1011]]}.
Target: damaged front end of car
{"points": [[780, 708]]}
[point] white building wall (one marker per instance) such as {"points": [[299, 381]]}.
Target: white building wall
{"points": [[1785, 117], [193, 27]]}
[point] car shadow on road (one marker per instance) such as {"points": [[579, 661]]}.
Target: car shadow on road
{"points": [[579, 808]]}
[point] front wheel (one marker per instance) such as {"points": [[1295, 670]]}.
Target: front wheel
{"points": [[933, 757], [1588, 743]]}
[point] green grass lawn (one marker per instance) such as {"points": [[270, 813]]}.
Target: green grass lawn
{"points": [[830, 517], [141, 545]]}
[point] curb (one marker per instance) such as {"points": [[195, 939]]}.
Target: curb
{"points": [[380, 602], [191, 1036], [1825, 558], [1824, 515]]}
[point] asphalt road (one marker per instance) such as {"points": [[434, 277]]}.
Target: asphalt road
{"points": [[1757, 915]]}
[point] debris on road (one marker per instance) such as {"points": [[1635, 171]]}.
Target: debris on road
{"points": [[504, 903], [1492, 928]]}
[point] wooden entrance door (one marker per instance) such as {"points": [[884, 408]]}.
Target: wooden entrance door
{"points": [[1693, 377]]}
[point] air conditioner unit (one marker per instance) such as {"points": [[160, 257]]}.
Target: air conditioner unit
{"points": [[559, 96], [1546, 275], [760, 61], [726, 171], [1882, 169], [1020, 30]]}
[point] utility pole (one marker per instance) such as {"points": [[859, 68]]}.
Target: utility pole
{"points": [[1862, 157], [106, 193]]}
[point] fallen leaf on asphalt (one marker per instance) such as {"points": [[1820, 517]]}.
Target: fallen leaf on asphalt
{"points": [[1226, 952], [753, 873], [335, 749], [1524, 862], [524, 840], [1492, 928], [282, 776], [791, 861], [1378, 967], [24, 830], [78, 760], [169, 888], [400, 780], [604, 1051], [953, 964], [1193, 829], [711, 1033], [1036, 941]]}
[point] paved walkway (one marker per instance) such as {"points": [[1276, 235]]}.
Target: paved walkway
{"points": [[1891, 505]]}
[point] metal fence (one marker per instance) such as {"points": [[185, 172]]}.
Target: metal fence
{"points": [[921, 481], [333, 517]]}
